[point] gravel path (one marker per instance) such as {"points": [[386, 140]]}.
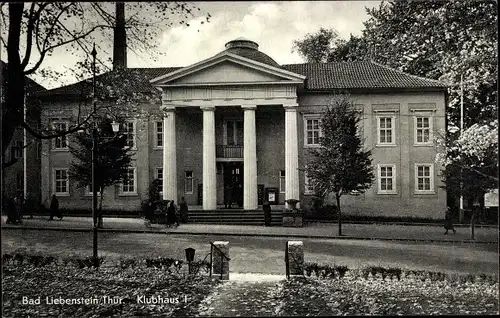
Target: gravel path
{"points": [[251, 296]]}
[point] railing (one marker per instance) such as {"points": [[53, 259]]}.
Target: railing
{"points": [[229, 151], [212, 246]]}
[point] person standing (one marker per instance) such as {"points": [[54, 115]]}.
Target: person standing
{"points": [[171, 217], [183, 210], [18, 210], [448, 221], [267, 213], [148, 216], [228, 196], [54, 208], [11, 211]]}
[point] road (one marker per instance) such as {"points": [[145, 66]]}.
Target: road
{"points": [[261, 254]]}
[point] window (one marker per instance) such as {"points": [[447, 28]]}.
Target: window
{"points": [[233, 132], [386, 130], [282, 181], [159, 176], [129, 184], [424, 178], [159, 134], [308, 187], [423, 130], [38, 149], [61, 182], [386, 179], [188, 182], [17, 150], [60, 142], [312, 131], [128, 129]]}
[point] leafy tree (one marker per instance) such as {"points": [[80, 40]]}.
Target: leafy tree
{"points": [[112, 159], [315, 48], [471, 162], [442, 40], [36, 30], [340, 165]]}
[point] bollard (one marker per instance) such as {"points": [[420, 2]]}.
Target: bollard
{"points": [[295, 251], [220, 263]]}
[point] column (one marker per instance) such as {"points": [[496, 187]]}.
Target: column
{"points": [[249, 159], [209, 168], [169, 155], [291, 153]]}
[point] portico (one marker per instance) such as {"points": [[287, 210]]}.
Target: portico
{"points": [[249, 154], [229, 80]]}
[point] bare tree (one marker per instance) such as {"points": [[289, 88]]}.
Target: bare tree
{"points": [[35, 30]]}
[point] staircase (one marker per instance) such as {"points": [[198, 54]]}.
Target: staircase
{"points": [[233, 217]]}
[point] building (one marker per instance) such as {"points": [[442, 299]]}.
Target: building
{"points": [[22, 176], [239, 118]]}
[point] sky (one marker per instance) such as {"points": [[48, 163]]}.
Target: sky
{"points": [[274, 25]]}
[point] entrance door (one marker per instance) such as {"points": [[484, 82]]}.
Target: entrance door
{"points": [[233, 184]]}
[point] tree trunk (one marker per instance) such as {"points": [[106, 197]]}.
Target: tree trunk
{"points": [[340, 213], [100, 221], [12, 108]]}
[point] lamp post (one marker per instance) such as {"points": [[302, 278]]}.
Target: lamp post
{"points": [[336, 189], [94, 144]]}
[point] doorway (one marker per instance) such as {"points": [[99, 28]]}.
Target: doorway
{"points": [[233, 184]]}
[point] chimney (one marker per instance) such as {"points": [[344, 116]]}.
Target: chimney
{"points": [[120, 38]]}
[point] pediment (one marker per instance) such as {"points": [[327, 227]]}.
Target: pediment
{"points": [[226, 69], [227, 72]]}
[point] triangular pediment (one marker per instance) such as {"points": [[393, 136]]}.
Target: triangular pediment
{"points": [[227, 68]]}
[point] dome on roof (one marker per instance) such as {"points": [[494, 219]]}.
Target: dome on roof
{"points": [[250, 50]]}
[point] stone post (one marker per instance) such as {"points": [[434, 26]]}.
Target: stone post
{"points": [[220, 263], [296, 257]]}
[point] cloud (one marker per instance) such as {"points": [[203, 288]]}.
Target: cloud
{"points": [[274, 26]]}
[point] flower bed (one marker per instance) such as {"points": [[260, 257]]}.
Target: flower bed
{"points": [[336, 290], [127, 288]]}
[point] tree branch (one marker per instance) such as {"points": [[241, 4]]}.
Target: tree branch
{"points": [[56, 19], [74, 39], [478, 172], [34, 17]]}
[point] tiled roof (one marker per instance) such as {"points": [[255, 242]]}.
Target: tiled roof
{"points": [[357, 75], [132, 80], [320, 76]]}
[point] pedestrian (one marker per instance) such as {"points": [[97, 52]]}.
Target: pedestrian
{"points": [[148, 216], [11, 211], [228, 196], [448, 221], [54, 208], [267, 213], [183, 209], [18, 210], [171, 217]]}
